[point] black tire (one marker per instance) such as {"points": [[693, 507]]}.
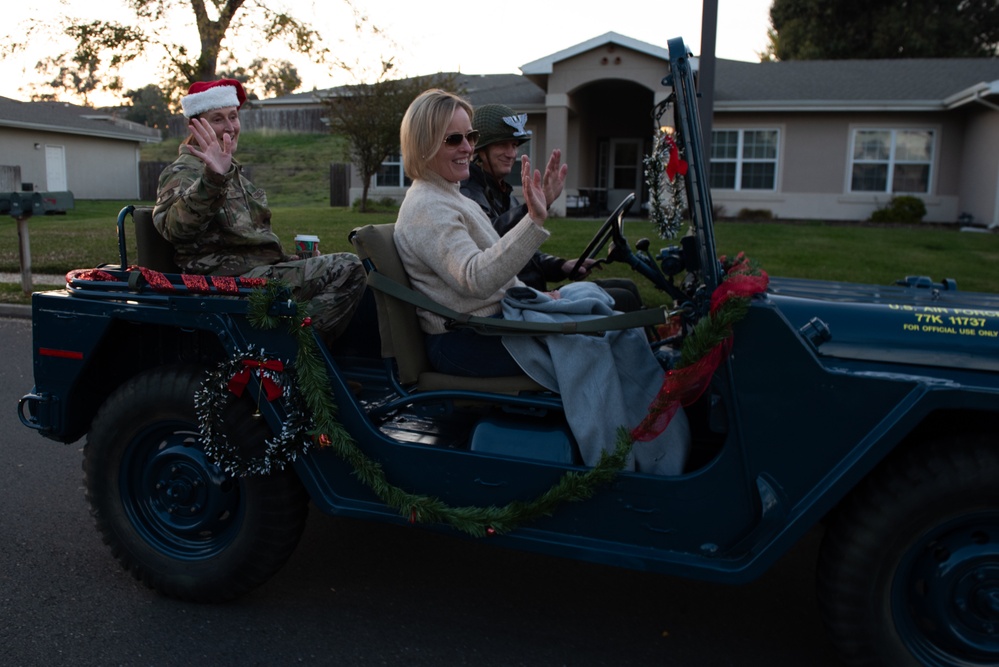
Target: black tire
{"points": [[171, 517], [908, 571]]}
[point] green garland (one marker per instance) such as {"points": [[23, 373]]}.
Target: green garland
{"points": [[313, 384], [474, 520], [712, 330]]}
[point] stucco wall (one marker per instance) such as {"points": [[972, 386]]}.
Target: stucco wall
{"points": [[96, 168], [813, 179], [979, 186]]}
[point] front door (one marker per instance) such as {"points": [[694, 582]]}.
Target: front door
{"points": [[625, 170], [55, 169]]}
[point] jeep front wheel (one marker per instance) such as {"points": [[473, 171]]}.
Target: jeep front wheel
{"points": [[169, 515], [909, 567]]}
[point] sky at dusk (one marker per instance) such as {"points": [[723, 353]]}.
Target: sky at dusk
{"points": [[430, 36]]}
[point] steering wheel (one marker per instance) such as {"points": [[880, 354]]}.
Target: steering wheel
{"points": [[612, 227]]}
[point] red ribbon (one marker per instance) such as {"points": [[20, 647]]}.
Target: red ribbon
{"points": [[683, 386], [238, 382], [156, 279], [225, 284], [674, 165], [159, 282], [195, 283], [91, 275], [738, 285]]}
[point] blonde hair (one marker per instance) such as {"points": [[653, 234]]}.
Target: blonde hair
{"points": [[423, 127]]}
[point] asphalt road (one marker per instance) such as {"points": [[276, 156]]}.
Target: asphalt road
{"points": [[362, 594]]}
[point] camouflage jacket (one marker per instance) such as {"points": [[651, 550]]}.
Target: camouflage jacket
{"points": [[217, 224]]}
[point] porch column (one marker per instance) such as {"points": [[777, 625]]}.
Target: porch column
{"points": [[557, 136]]}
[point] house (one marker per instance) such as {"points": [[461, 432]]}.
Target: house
{"points": [[63, 147], [799, 139]]}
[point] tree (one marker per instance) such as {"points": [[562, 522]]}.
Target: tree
{"points": [[101, 48], [369, 115], [874, 29], [150, 106], [264, 78], [82, 72]]}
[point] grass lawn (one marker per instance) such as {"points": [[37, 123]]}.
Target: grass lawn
{"points": [[86, 237]]}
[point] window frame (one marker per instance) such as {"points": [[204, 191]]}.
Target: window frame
{"points": [[891, 162], [740, 159], [394, 160]]}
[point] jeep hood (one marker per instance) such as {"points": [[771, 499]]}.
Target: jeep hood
{"points": [[925, 326]]}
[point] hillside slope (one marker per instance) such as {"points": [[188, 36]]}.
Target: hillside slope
{"points": [[293, 168]]}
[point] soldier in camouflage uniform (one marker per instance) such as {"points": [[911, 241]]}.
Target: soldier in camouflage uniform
{"points": [[219, 222]]}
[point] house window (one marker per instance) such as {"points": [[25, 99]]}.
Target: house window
{"points": [[744, 159], [391, 174], [891, 161]]}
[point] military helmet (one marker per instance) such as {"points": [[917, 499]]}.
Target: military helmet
{"points": [[497, 122]]}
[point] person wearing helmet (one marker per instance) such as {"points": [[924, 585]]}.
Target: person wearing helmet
{"points": [[501, 133]]}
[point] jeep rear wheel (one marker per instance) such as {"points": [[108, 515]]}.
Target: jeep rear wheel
{"points": [[909, 568], [170, 516]]}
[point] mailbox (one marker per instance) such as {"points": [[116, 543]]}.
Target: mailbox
{"points": [[24, 204]]}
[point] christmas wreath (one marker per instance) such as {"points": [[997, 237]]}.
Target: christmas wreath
{"points": [[227, 382], [667, 215]]}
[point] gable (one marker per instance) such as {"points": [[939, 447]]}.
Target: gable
{"points": [[65, 118]]}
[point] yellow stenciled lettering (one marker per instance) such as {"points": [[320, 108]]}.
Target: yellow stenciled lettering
{"points": [[932, 328], [976, 313], [967, 321]]}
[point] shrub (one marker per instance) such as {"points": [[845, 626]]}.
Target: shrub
{"points": [[904, 209], [382, 205], [755, 214]]}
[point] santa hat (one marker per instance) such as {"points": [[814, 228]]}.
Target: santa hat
{"points": [[205, 96]]}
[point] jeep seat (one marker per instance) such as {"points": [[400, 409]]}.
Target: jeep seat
{"points": [[154, 251], [399, 326]]}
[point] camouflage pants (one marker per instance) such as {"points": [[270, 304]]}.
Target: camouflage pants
{"points": [[332, 284]]}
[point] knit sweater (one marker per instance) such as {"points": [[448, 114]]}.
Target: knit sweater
{"points": [[453, 255]]}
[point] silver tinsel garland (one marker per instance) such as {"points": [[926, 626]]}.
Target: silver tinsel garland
{"points": [[279, 450], [666, 214]]}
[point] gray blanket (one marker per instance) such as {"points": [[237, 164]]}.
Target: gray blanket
{"points": [[606, 381]]}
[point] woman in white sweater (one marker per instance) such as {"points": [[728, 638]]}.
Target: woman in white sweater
{"points": [[450, 249]]}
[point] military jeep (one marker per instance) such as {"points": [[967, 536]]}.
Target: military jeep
{"points": [[213, 417]]}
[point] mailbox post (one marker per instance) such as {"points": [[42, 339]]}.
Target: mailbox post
{"points": [[21, 206]]}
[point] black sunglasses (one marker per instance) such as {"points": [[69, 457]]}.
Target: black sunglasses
{"points": [[454, 140]]}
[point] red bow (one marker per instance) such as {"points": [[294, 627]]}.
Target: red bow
{"points": [[238, 382], [674, 165]]}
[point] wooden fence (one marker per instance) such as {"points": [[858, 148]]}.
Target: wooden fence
{"points": [[10, 178], [282, 120]]}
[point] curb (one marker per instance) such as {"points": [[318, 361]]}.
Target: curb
{"points": [[15, 310]]}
